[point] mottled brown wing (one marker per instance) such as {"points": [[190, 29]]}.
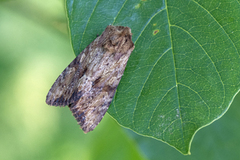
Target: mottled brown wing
{"points": [[88, 84], [65, 89]]}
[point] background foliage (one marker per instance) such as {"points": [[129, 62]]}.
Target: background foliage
{"points": [[34, 49]]}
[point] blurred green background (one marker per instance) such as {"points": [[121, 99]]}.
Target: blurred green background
{"points": [[34, 49]]}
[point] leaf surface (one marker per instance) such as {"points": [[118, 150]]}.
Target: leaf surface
{"points": [[185, 69]]}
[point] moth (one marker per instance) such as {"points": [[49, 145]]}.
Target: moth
{"points": [[89, 82]]}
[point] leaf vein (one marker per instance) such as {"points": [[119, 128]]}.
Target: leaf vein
{"points": [[159, 11], [88, 23], [146, 81], [218, 73], [158, 105], [174, 62], [219, 25], [119, 12], [198, 96]]}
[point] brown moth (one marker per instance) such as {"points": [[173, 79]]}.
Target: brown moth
{"points": [[89, 82]]}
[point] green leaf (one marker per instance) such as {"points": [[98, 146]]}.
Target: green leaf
{"points": [[219, 141], [185, 69]]}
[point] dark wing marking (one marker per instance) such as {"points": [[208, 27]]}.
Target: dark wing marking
{"points": [[65, 89], [89, 110]]}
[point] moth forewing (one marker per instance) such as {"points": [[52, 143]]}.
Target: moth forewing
{"points": [[89, 82]]}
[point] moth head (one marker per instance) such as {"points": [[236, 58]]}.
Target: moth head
{"points": [[117, 39]]}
